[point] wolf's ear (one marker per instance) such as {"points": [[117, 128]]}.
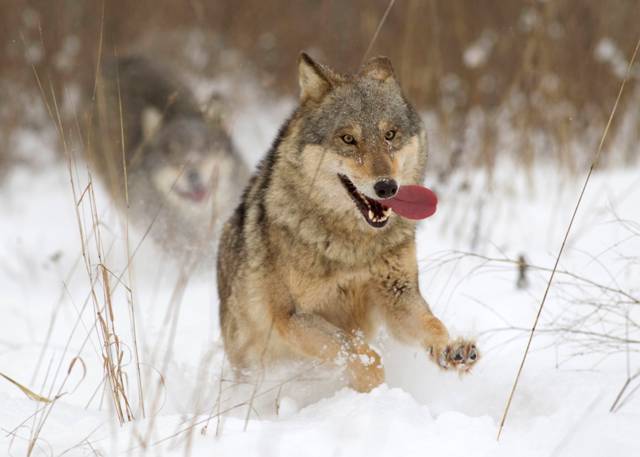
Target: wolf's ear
{"points": [[378, 68], [315, 79], [151, 120]]}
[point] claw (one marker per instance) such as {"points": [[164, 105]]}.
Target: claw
{"points": [[443, 358]]}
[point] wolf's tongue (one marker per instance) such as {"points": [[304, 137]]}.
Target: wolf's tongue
{"points": [[413, 202]]}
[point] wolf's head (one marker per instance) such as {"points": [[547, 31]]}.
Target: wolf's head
{"points": [[359, 139], [182, 155]]}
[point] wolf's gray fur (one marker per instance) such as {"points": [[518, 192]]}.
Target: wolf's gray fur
{"points": [[303, 272], [183, 174]]}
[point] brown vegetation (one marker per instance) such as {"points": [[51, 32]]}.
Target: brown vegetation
{"points": [[533, 65]]}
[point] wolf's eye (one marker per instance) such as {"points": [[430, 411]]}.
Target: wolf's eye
{"points": [[349, 139], [390, 135]]}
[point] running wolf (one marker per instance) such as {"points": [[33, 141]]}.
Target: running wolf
{"points": [[182, 171], [314, 258]]}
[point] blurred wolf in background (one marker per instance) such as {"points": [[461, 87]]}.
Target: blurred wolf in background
{"points": [[312, 261], [183, 174]]}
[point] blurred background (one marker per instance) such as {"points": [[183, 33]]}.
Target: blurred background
{"points": [[523, 80]]}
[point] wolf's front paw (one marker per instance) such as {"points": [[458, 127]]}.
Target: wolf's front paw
{"points": [[459, 354]]}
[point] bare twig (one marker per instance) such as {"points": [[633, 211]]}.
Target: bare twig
{"points": [[617, 403], [567, 273]]}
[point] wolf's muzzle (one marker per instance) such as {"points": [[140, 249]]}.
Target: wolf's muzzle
{"points": [[375, 213]]}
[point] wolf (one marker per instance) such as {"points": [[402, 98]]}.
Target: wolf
{"points": [[313, 261], [168, 163]]}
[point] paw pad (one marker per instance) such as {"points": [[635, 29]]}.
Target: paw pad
{"points": [[459, 354]]}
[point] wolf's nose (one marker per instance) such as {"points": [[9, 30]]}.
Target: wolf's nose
{"points": [[386, 188], [194, 177]]}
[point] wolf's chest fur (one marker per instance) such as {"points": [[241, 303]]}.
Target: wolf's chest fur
{"points": [[342, 298], [318, 283]]}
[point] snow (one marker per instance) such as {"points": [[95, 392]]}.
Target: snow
{"points": [[479, 51], [561, 406], [607, 52]]}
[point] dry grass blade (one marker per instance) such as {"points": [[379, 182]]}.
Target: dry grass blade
{"points": [[377, 32], [132, 317], [594, 163], [25, 390]]}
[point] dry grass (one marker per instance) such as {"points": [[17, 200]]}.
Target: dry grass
{"points": [[597, 316], [102, 283], [110, 298], [594, 163]]}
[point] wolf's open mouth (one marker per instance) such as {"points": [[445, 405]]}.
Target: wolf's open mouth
{"points": [[195, 195], [374, 212]]}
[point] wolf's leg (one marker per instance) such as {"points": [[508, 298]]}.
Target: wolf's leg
{"points": [[410, 320], [313, 336], [408, 316]]}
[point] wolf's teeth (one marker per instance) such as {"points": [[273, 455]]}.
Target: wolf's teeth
{"points": [[375, 212]]}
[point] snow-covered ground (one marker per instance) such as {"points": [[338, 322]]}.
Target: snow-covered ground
{"points": [[579, 361]]}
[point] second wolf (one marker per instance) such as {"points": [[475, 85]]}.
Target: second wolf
{"points": [[169, 162], [313, 261]]}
